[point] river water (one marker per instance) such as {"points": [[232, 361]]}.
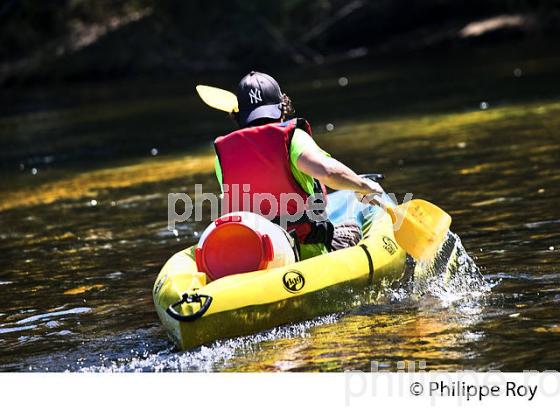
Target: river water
{"points": [[86, 170]]}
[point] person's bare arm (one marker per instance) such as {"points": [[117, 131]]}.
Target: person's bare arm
{"points": [[335, 174]]}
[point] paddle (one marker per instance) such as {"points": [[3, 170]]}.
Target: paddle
{"points": [[217, 98], [420, 226]]}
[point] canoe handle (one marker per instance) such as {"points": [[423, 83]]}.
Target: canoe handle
{"points": [[190, 299]]}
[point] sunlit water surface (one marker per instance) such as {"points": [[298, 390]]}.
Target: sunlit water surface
{"points": [[81, 244]]}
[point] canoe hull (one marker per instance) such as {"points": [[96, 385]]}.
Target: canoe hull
{"points": [[255, 301]]}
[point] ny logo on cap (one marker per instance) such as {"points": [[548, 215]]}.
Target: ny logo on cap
{"points": [[255, 96]]}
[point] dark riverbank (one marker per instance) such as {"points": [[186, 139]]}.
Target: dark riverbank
{"points": [[85, 40]]}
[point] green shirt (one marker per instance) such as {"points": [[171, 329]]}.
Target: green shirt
{"points": [[301, 141]]}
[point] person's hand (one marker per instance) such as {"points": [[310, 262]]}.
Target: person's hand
{"points": [[369, 191]]}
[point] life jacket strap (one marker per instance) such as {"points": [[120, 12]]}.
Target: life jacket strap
{"points": [[308, 231]]}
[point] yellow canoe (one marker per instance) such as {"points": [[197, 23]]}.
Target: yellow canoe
{"points": [[195, 312]]}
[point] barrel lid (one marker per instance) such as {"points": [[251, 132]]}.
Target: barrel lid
{"points": [[233, 247]]}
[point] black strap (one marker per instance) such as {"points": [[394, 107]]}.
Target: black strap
{"points": [[295, 245], [321, 232], [370, 262]]}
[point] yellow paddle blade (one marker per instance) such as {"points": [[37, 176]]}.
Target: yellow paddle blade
{"points": [[423, 228], [217, 98]]}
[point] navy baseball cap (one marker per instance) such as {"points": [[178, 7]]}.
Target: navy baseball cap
{"points": [[258, 96]]}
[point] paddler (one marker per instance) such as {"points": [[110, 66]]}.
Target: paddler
{"points": [[273, 154]]}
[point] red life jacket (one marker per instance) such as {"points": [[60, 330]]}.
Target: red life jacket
{"points": [[259, 158]]}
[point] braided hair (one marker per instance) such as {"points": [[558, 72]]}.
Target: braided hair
{"points": [[288, 110]]}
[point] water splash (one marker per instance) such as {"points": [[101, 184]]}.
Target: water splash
{"points": [[452, 275], [205, 358]]}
